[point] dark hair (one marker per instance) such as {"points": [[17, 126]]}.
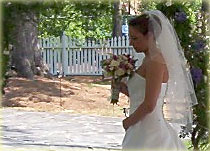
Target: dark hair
{"points": [[142, 23]]}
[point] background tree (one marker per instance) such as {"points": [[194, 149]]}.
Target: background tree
{"points": [[24, 21], [20, 22], [117, 19], [1, 56]]}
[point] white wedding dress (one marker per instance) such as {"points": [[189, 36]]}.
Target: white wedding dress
{"points": [[153, 132]]}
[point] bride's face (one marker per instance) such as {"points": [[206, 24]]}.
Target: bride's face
{"points": [[138, 40]]}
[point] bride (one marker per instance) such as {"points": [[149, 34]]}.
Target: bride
{"points": [[162, 80]]}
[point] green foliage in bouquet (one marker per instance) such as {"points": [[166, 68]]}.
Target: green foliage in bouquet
{"points": [[190, 20]]}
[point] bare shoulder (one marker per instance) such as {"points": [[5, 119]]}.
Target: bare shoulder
{"points": [[157, 61], [158, 57], [155, 68]]}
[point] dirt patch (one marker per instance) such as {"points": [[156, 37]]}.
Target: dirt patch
{"points": [[75, 94]]}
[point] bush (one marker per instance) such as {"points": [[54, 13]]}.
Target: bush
{"points": [[4, 67]]}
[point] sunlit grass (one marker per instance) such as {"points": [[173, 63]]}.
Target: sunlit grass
{"points": [[103, 82], [90, 85], [188, 144]]}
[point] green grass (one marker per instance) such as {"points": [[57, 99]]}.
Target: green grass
{"points": [[90, 85], [98, 84], [102, 82], [188, 144]]}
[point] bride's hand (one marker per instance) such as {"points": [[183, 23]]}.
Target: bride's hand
{"points": [[129, 121], [126, 123]]}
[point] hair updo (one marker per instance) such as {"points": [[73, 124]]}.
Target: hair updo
{"points": [[143, 24]]}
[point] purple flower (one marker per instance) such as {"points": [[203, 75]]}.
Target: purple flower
{"points": [[196, 74], [180, 16], [198, 45], [122, 65], [131, 61], [115, 57], [107, 69], [126, 67]]}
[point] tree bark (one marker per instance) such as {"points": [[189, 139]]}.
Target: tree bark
{"points": [[117, 19], [26, 56]]}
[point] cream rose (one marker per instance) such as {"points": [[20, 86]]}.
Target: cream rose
{"points": [[119, 72], [114, 63]]}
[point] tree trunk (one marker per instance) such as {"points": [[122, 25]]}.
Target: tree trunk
{"points": [[26, 56], [117, 19]]}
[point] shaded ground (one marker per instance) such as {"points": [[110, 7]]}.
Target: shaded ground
{"points": [[78, 94]]}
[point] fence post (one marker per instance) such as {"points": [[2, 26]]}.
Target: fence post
{"points": [[64, 55]]}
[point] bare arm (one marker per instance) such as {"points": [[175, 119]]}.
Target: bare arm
{"points": [[154, 76], [124, 88]]}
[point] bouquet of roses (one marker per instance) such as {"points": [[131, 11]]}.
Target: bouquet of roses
{"points": [[118, 67]]}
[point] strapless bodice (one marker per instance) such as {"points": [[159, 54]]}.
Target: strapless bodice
{"points": [[136, 88]]}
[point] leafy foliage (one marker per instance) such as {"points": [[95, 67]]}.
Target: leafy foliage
{"points": [[5, 60], [79, 19]]}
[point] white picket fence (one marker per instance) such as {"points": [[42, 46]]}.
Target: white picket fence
{"points": [[69, 57]]}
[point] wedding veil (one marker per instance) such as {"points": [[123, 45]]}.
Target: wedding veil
{"points": [[180, 95]]}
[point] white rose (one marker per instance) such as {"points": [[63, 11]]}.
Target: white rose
{"points": [[111, 68], [130, 66], [125, 62], [119, 72], [114, 63], [124, 58]]}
